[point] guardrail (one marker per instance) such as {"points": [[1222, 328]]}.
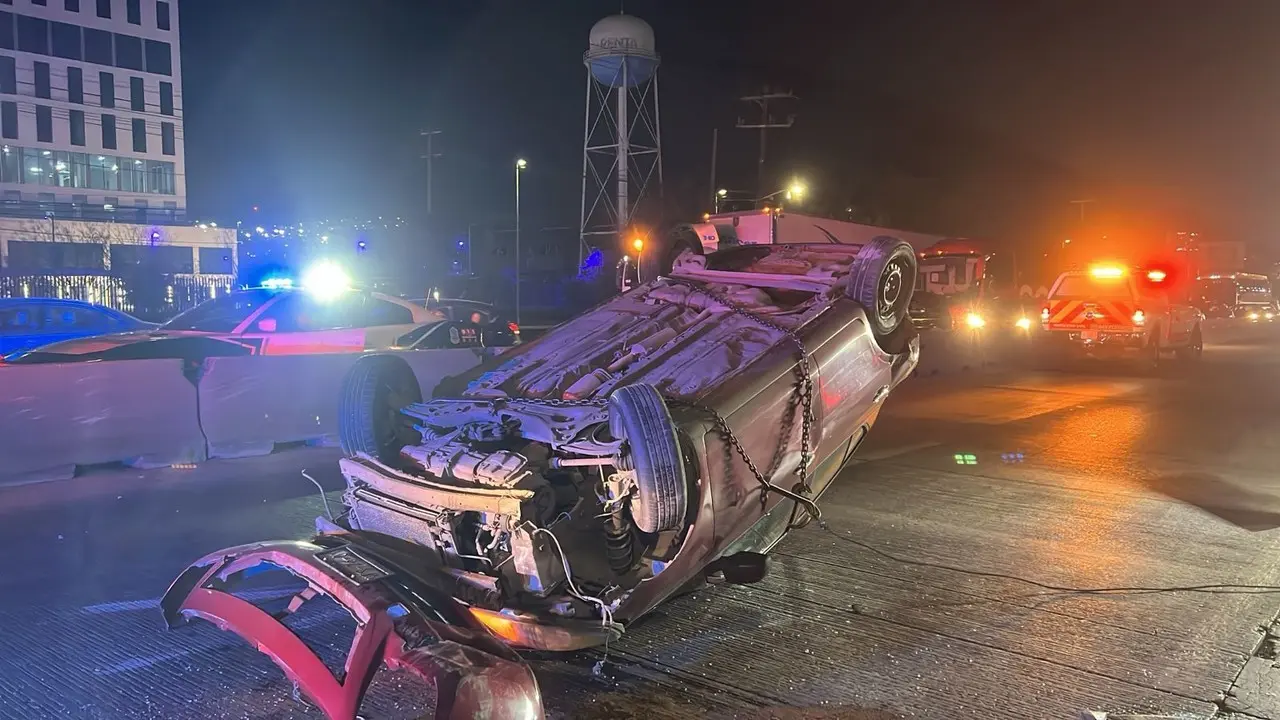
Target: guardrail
{"points": [[55, 418]]}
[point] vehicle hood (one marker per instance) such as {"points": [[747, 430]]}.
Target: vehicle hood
{"points": [[99, 343]]}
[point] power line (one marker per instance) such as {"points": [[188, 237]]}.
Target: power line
{"points": [[767, 123]]}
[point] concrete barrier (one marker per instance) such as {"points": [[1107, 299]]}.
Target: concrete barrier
{"points": [[248, 405], [57, 416]]}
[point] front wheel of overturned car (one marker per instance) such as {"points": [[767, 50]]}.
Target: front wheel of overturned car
{"points": [[882, 280], [369, 417], [639, 416]]}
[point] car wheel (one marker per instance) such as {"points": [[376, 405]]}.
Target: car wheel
{"points": [[369, 417], [1153, 351], [638, 415], [1194, 348], [882, 280]]}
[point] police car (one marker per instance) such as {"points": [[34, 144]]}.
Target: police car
{"points": [[1113, 310]]}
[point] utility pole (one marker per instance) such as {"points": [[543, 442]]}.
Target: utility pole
{"points": [[767, 122], [1082, 204], [430, 158], [715, 142]]}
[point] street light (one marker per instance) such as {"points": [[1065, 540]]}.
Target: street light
{"points": [[521, 164], [638, 245], [796, 191]]}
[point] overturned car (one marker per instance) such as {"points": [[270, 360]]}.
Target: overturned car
{"points": [[561, 491]]}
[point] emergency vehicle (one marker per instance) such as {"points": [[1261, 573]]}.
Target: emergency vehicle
{"points": [[1110, 309]]}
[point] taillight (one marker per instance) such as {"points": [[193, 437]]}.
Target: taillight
{"points": [[513, 328], [1139, 317], [1044, 315]]}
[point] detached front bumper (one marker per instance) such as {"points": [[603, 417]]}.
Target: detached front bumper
{"points": [[402, 620]]}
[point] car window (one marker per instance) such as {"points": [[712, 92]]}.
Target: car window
{"points": [[17, 321], [380, 312], [67, 319], [221, 314], [303, 312]]}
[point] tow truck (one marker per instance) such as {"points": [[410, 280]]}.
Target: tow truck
{"points": [[1113, 310]]}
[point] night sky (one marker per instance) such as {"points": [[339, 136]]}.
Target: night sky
{"points": [[981, 118]]}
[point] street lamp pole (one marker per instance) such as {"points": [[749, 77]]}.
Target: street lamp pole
{"points": [[520, 165]]}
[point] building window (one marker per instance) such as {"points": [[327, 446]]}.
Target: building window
{"points": [[75, 85], [139, 135], [104, 9], [41, 3], [42, 81], [137, 95], [79, 199], [97, 47], [109, 132], [8, 75], [66, 41], [107, 89], [133, 175], [159, 58], [104, 174], [166, 139], [33, 34], [133, 11], [10, 166], [9, 120], [128, 52], [162, 15], [44, 123], [6, 31], [71, 5], [77, 128], [166, 98]]}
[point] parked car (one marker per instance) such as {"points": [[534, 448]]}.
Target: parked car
{"points": [[265, 321], [552, 496], [27, 323]]}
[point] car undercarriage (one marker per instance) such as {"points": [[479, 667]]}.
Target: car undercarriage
{"points": [[566, 488]]}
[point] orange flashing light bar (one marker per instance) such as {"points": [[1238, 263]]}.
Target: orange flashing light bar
{"points": [[1156, 275], [1106, 272]]}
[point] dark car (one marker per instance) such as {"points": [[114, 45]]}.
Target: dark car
{"points": [[557, 493], [27, 323]]}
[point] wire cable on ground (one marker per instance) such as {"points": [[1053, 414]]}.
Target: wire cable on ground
{"points": [[1210, 588]]}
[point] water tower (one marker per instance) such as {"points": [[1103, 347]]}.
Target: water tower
{"points": [[622, 141]]}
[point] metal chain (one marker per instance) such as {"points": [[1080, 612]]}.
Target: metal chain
{"points": [[803, 392]]}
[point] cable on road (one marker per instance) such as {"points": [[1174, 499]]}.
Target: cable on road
{"points": [[323, 499], [1210, 588]]}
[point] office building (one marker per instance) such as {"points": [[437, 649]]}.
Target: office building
{"points": [[91, 110]]}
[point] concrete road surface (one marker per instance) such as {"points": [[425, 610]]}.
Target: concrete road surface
{"points": [[1011, 545]]}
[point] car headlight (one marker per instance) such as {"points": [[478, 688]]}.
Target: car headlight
{"points": [[1023, 324], [974, 320]]}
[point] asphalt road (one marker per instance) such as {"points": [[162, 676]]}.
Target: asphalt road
{"points": [[924, 597]]}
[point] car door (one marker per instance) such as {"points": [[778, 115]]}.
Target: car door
{"points": [[19, 328], [301, 323]]}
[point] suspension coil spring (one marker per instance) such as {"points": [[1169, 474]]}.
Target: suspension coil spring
{"points": [[619, 544]]}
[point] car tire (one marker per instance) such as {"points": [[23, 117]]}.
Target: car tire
{"points": [[882, 280], [369, 417], [1153, 351], [1194, 348], [638, 415]]}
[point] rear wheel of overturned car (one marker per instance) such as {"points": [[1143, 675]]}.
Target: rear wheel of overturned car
{"points": [[369, 417], [639, 416], [882, 280]]}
